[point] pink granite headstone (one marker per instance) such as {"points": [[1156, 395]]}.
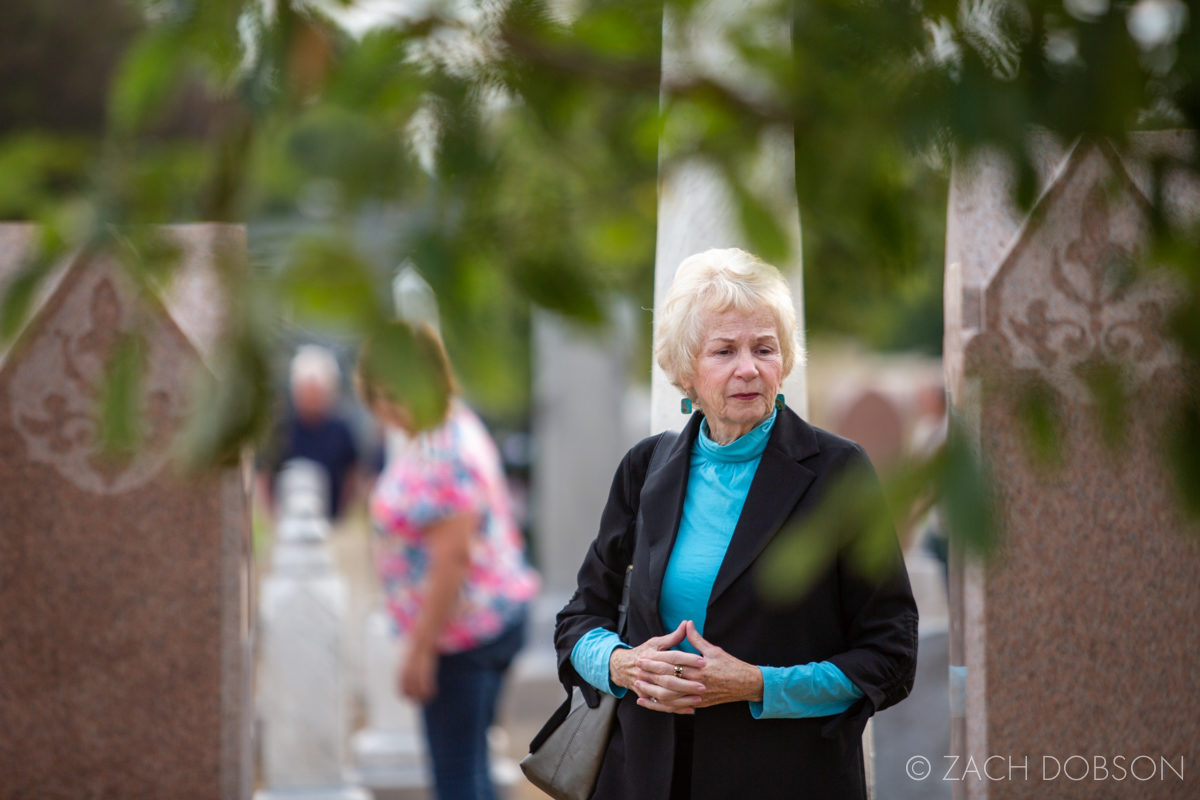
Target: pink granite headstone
{"points": [[1075, 651], [124, 624], [873, 420]]}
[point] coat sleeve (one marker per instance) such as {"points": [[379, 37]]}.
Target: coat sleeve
{"points": [[602, 575], [876, 603]]}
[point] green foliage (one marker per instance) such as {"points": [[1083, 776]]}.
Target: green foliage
{"points": [[39, 171], [761, 228], [147, 256], [857, 517], [325, 282], [1037, 410], [515, 156], [21, 290], [149, 74], [1182, 438], [1110, 394], [964, 486], [1182, 445], [404, 371], [231, 405], [120, 399]]}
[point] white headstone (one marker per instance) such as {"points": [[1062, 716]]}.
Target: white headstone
{"points": [[580, 382], [389, 753], [302, 666]]}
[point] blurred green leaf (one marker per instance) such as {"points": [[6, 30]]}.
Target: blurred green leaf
{"points": [[853, 517], [149, 257], [1184, 320], [1107, 388], [1182, 445], [120, 433], [401, 369], [18, 296], [359, 155], [230, 406], [326, 281], [375, 77], [39, 171], [1036, 408], [967, 501], [553, 285], [148, 75], [763, 231], [19, 293], [796, 559]]}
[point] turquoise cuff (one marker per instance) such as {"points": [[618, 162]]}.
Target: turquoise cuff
{"points": [[816, 689], [591, 655]]}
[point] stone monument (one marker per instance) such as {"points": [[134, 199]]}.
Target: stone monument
{"points": [[389, 753], [1073, 649], [580, 384], [124, 620], [302, 677]]}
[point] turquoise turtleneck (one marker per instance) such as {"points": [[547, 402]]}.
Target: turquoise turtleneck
{"points": [[719, 480]]}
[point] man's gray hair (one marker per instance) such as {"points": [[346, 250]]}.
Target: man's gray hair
{"points": [[315, 364]]}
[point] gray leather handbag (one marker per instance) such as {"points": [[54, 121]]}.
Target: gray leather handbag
{"points": [[565, 757]]}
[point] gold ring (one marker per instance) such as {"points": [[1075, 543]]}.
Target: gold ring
{"points": [[678, 671]]}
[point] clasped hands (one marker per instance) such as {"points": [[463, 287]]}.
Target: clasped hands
{"points": [[707, 679]]}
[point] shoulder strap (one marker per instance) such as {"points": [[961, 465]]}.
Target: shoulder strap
{"points": [[657, 457]]}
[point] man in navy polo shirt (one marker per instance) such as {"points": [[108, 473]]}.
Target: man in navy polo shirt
{"points": [[313, 428]]}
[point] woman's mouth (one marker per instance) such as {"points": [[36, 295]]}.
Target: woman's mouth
{"points": [[745, 396]]}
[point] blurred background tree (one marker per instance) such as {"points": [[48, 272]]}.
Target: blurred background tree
{"points": [[511, 150]]}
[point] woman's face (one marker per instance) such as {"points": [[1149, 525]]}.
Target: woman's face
{"points": [[738, 372]]}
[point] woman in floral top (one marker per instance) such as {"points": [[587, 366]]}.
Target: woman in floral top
{"points": [[448, 552]]}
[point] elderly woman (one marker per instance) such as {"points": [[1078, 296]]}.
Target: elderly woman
{"points": [[725, 693], [449, 553]]}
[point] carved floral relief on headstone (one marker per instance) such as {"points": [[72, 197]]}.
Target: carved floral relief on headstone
{"points": [[1065, 300], [56, 387]]}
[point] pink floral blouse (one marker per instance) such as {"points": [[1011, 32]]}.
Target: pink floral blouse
{"points": [[453, 469]]}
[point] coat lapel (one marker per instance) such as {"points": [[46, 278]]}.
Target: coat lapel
{"points": [[660, 509], [778, 485]]}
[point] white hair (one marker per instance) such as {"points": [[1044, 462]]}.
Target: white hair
{"points": [[714, 282], [315, 364]]}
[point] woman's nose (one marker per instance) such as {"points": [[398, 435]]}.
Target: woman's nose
{"points": [[745, 364]]}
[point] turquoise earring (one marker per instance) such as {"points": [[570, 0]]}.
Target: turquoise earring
{"points": [[685, 405], [779, 402]]}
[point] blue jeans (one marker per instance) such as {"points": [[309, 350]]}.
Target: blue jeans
{"points": [[458, 717]]}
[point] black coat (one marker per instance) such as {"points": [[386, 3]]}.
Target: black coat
{"points": [[866, 627]]}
